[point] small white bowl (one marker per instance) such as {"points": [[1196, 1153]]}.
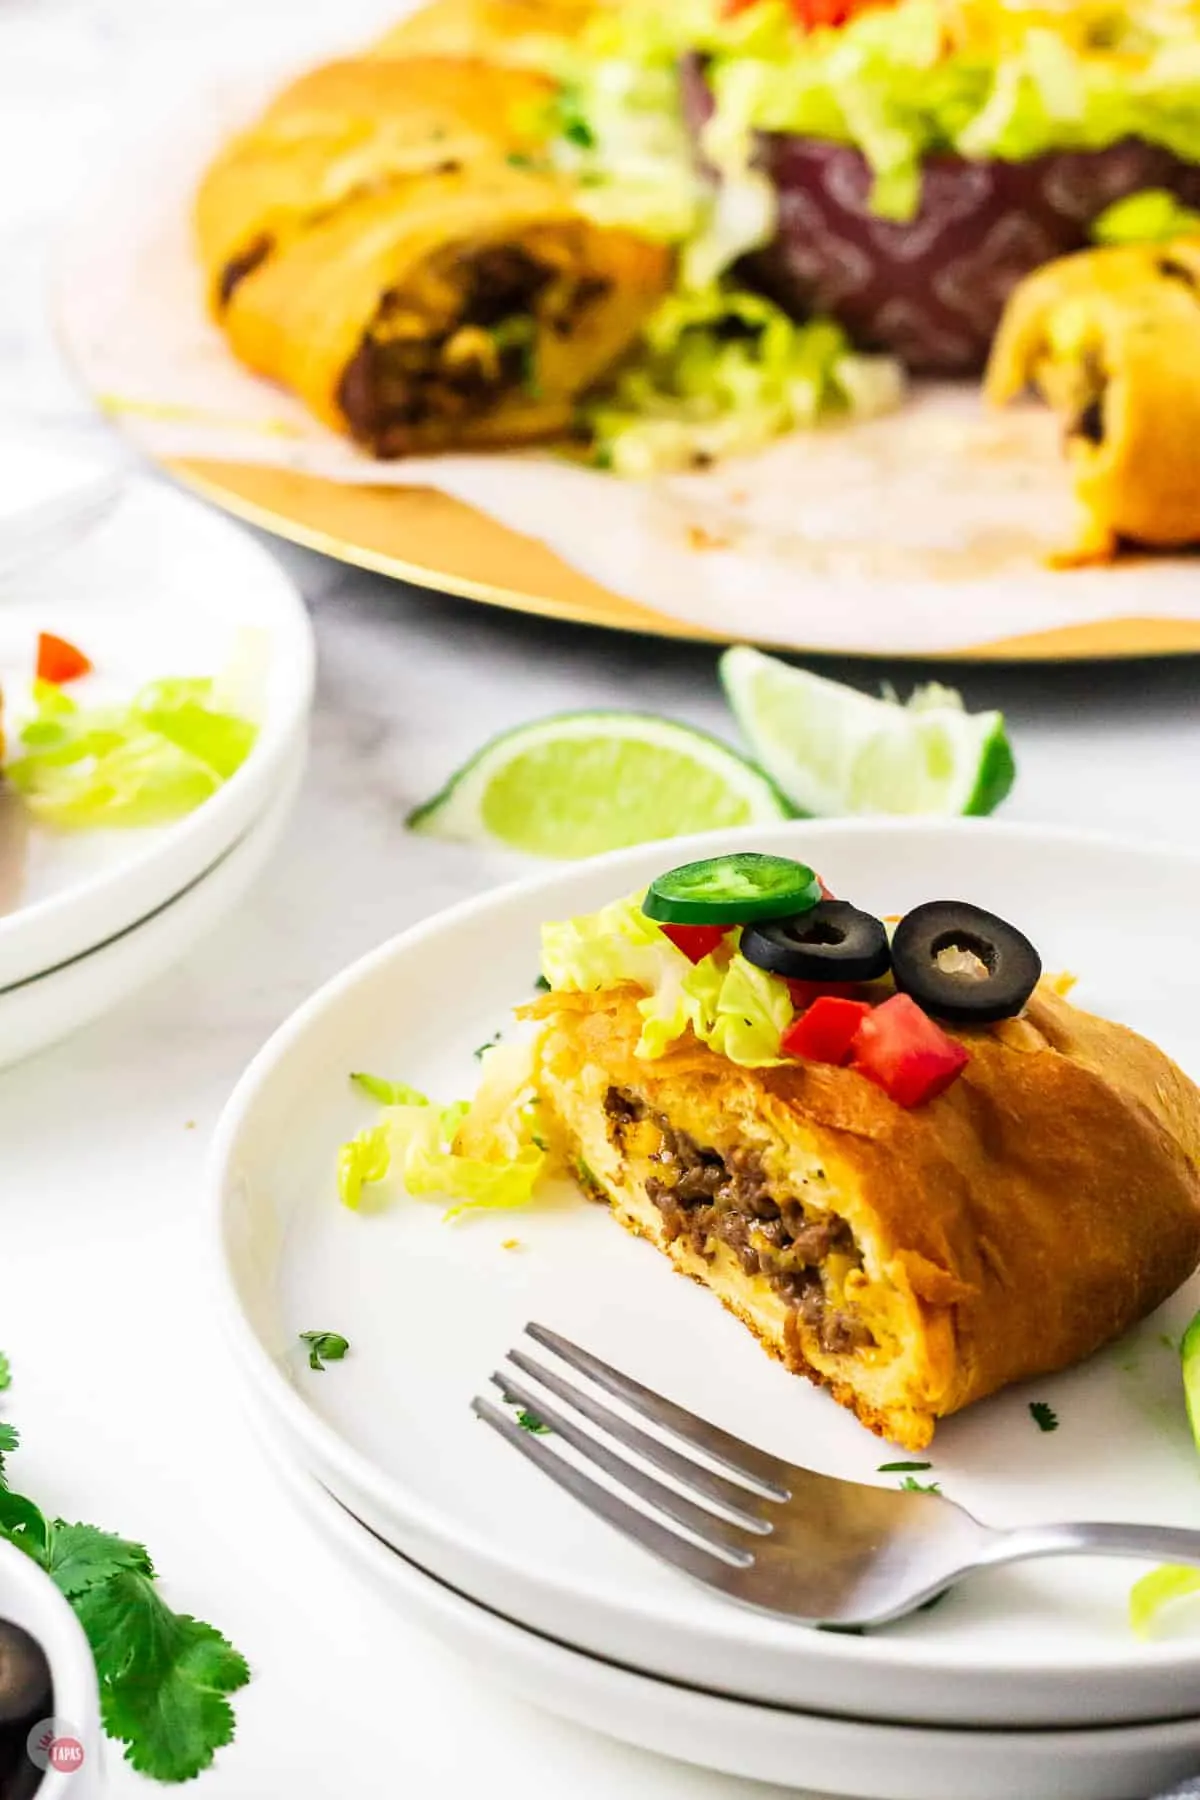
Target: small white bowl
{"points": [[29, 1599]]}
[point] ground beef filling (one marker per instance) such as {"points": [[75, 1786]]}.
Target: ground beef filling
{"points": [[704, 1197], [405, 374], [236, 271]]}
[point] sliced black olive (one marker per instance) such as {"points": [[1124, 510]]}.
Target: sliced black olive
{"points": [[832, 941], [962, 963]]}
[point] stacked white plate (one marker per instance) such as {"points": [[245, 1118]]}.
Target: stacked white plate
{"points": [[149, 584], [1024, 1684]]}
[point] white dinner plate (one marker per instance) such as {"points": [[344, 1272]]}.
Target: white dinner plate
{"points": [[164, 586], [53, 1006], [430, 1309], [774, 1744]]}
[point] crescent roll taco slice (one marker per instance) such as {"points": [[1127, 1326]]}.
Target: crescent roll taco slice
{"points": [[386, 243], [1111, 339], [903, 1159]]}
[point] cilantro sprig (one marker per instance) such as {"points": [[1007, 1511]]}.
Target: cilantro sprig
{"points": [[165, 1678], [323, 1347], [1043, 1415]]}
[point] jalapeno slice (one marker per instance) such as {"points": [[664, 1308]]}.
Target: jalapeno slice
{"points": [[730, 890]]}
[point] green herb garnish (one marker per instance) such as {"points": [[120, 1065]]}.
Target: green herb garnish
{"points": [[903, 1468], [529, 1421], [164, 1676], [323, 1347], [5, 1372], [909, 1486], [1043, 1416], [483, 1049], [577, 131], [541, 985]]}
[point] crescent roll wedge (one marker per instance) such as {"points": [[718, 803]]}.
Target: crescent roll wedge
{"points": [[386, 244], [911, 1261], [1111, 338], [502, 30]]}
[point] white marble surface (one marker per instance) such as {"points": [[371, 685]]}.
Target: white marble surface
{"points": [[128, 1409]]}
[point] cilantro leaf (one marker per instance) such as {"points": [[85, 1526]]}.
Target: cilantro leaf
{"points": [[1044, 1417], [529, 1421], [5, 1372], [903, 1468], [323, 1347], [541, 985], [164, 1677], [910, 1486], [23, 1524], [79, 1557], [10, 1438], [483, 1049]]}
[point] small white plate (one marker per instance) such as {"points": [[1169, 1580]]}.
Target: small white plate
{"points": [[838, 1756], [431, 1309], [49, 498], [164, 586], [53, 1006]]}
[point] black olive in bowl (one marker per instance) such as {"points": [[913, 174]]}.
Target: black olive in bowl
{"points": [[962, 963]]}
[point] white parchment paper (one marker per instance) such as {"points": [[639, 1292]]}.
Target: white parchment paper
{"points": [[924, 531]]}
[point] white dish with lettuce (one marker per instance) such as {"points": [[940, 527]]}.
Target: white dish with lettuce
{"points": [[419, 1309], [157, 678]]}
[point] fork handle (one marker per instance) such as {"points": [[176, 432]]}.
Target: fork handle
{"points": [[1156, 1543]]}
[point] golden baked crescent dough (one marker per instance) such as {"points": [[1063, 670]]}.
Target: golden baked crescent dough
{"points": [[1111, 338], [384, 243], [495, 28], [345, 131], [912, 1261]]}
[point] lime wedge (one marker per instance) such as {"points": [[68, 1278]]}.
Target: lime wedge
{"points": [[585, 782], [833, 750]]}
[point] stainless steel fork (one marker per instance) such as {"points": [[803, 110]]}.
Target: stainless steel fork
{"points": [[766, 1532]]}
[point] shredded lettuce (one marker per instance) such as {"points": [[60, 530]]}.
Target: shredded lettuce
{"points": [[1152, 217], [484, 1154], [144, 763], [901, 82], [724, 371], [739, 1010], [1158, 1589]]}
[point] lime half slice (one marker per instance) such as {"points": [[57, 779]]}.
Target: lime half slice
{"points": [[835, 751], [585, 782]]}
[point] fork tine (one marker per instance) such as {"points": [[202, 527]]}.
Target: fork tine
{"points": [[720, 1537], [728, 1495], [600, 1500], [749, 1464]]}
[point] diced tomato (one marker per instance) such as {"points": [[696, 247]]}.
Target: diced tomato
{"points": [[731, 8], [812, 13], [696, 941], [903, 1051], [58, 661], [826, 1031], [805, 992]]}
